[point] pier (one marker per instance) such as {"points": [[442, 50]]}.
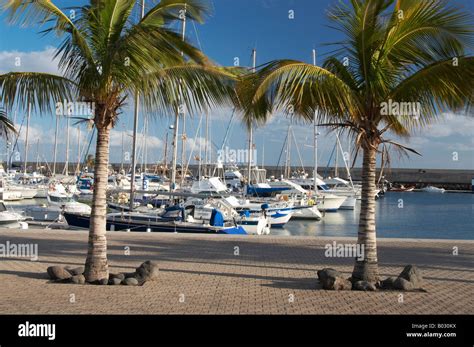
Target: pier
{"points": [[222, 274]]}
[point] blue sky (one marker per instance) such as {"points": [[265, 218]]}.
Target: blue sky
{"points": [[233, 30]]}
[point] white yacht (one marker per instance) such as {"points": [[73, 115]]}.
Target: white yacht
{"points": [[340, 187], [66, 201], [9, 218], [432, 189], [325, 201]]}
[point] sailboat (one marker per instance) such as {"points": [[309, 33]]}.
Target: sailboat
{"points": [[176, 219]]}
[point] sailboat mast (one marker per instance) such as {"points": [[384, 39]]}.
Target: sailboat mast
{"points": [[206, 148], [37, 153], [176, 120], [123, 152], [66, 168], [26, 138], [55, 145], [249, 167], [78, 167], [315, 141], [183, 135], [288, 153], [165, 168], [134, 137], [146, 144]]}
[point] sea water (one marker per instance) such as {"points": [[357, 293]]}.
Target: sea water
{"points": [[399, 215]]}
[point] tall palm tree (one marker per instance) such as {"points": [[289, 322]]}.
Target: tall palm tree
{"points": [[106, 56], [410, 51]]}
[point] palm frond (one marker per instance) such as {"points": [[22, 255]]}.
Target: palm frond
{"points": [[196, 87], [42, 90], [6, 125]]}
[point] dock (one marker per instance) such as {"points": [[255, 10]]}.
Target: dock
{"points": [[224, 274]]}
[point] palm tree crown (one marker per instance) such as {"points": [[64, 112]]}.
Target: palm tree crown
{"points": [[106, 57], [409, 52]]}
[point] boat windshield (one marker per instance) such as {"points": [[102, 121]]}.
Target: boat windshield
{"points": [[61, 199]]}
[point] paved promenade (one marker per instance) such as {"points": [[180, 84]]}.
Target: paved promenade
{"points": [[213, 274]]}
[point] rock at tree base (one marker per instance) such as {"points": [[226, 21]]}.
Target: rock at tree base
{"points": [[115, 281], [130, 281], [402, 284], [364, 286], [78, 279], [58, 273], [121, 277], [76, 271], [412, 275], [148, 271], [104, 281], [388, 283], [331, 279]]}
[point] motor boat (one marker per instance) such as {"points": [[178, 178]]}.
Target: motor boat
{"points": [[325, 201], [10, 218], [253, 223], [58, 196], [432, 189], [402, 188], [279, 212]]}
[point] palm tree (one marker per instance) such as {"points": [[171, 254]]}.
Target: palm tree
{"points": [[393, 52], [106, 58]]}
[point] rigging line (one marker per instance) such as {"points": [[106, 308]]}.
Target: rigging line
{"points": [[197, 36], [228, 129], [329, 161], [195, 138], [281, 152], [17, 138], [297, 150], [89, 146]]}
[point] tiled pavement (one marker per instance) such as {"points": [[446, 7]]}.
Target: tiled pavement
{"points": [[200, 274]]}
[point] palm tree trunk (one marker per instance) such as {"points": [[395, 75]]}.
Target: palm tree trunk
{"points": [[367, 269], [96, 267]]}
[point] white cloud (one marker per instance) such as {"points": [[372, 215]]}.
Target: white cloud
{"points": [[34, 61], [153, 142], [46, 136], [450, 124]]}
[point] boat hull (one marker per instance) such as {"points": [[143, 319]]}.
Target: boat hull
{"points": [[310, 213], [83, 221], [349, 203]]}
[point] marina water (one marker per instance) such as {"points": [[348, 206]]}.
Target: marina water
{"points": [[415, 215], [423, 216]]}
